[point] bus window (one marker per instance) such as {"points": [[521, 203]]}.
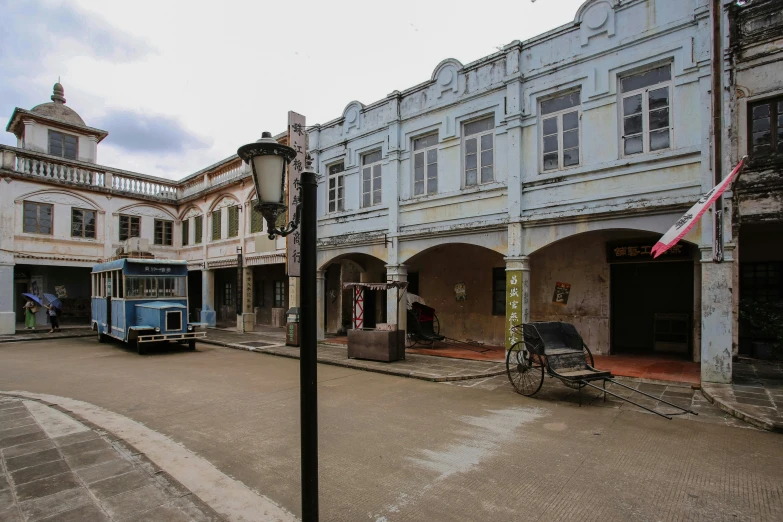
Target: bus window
{"points": [[134, 286], [150, 287], [171, 287]]}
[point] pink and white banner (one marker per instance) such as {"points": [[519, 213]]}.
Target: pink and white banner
{"points": [[686, 222]]}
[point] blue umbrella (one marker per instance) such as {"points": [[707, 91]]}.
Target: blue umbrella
{"points": [[55, 302], [33, 297]]}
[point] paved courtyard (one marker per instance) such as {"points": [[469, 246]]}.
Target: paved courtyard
{"points": [[398, 449]]}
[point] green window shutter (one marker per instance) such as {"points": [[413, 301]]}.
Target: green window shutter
{"points": [[233, 221], [217, 223], [198, 224]]}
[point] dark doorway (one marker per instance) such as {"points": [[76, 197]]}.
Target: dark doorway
{"points": [[652, 308], [194, 295], [225, 296]]}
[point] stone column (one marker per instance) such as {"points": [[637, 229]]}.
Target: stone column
{"points": [[517, 295], [246, 319], [396, 311], [7, 290], [320, 303], [208, 297], [716, 316], [7, 312]]}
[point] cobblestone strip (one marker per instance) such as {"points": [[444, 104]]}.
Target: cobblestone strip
{"points": [[56, 468], [182, 480]]}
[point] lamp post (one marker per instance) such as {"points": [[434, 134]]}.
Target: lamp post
{"points": [[268, 160]]}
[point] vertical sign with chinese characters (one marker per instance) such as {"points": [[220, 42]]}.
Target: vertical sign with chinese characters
{"points": [[514, 306], [297, 141]]}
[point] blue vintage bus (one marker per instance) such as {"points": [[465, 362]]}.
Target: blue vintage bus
{"points": [[142, 301]]}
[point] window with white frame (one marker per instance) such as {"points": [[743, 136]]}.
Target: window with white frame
{"points": [[560, 131], [336, 187], [479, 147], [646, 106], [371, 179], [425, 165]]}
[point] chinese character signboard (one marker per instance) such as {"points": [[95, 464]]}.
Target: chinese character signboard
{"points": [[562, 290], [640, 250], [517, 304], [296, 140], [60, 292]]}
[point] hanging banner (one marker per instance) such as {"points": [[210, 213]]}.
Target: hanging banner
{"points": [[686, 222], [296, 140]]}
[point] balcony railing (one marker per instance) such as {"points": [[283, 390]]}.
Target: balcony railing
{"points": [[55, 169], [227, 173]]}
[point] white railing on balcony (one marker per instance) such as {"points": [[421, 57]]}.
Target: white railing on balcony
{"points": [[80, 173], [59, 171], [192, 187], [143, 187], [227, 173]]}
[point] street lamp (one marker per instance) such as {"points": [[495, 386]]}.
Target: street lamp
{"points": [[268, 160]]}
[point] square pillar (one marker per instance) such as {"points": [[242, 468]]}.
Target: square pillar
{"points": [[320, 299], [246, 319], [396, 308], [717, 321], [7, 312], [517, 296], [208, 297]]}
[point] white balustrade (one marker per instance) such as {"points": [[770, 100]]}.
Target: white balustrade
{"points": [[226, 174]]}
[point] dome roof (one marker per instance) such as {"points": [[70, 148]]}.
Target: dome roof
{"points": [[57, 110]]}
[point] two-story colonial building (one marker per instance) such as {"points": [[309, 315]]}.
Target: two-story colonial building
{"points": [[532, 183], [61, 213]]}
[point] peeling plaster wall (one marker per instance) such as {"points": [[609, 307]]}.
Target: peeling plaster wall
{"points": [[580, 261], [444, 266]]}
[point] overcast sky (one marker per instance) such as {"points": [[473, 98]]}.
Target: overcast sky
{"points": [[180, 85]]}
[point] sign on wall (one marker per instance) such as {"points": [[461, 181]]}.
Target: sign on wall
{"points": [[297, 140], [562, 290], [60, 292], [640, 250], [517, 304], [460, 292]]}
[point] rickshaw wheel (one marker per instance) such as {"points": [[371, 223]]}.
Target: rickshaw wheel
{"points": [[589, 361], [435, 324], [524, 369]]}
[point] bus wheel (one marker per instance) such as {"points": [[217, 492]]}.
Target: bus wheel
{"points": [[140, 348], [192, 345], [102, 338]]}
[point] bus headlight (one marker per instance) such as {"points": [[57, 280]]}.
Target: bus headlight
{"points": [[190, 328], [157, 329]]}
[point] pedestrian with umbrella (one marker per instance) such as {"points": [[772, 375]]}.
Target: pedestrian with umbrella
{"points": [[52, 310], [31, 306]]}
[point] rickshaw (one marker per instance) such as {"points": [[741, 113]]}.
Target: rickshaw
{"points": [[423, 325], [557, 350]]}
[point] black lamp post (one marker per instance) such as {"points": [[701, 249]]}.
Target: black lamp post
{"points": [[268, 160]]}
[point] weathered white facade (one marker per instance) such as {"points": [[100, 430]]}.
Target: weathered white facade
{"points": [[755, 128], [77, 213], [597, 137], [528, 185]]}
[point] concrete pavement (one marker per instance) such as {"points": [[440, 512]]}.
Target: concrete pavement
{"points": [[396, 449]]}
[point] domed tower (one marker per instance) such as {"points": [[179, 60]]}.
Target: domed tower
{"points": [[56, 129]]}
